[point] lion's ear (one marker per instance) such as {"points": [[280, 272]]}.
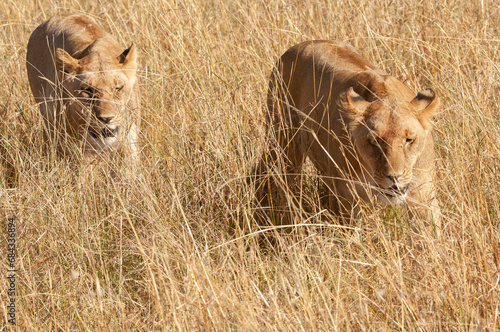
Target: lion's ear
{"points": [[354, 104], [65, 62], [129, 58], [369, 85], [426, 104]]}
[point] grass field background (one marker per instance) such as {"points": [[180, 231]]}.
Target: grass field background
{"points": [[178, 248]]}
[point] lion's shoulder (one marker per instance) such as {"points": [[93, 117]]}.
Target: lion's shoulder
{"points": [[334, 55], [73, 24]]}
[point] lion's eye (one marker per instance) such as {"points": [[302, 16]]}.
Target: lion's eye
{"points": [[87, 92], [410, 140], [118, 89]]}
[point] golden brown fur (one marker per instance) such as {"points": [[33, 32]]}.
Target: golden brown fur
{"points": [[85, 85], [366, 132]]}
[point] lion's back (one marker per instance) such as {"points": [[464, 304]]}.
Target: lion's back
{"points": [[72, 33]]}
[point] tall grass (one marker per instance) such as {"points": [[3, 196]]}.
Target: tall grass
{"points": [[178, 248]]}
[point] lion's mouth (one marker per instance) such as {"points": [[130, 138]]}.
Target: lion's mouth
{"points": [[396, 190], [105, 132]]}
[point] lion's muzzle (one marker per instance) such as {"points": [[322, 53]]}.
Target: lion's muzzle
{"points": [[104, 132], [396, 190]]}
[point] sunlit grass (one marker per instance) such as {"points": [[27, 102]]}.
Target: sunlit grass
{"points": [[179, 248]]}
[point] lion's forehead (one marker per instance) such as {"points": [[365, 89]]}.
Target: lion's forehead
{"points": [[104, 79], [392, 121]]}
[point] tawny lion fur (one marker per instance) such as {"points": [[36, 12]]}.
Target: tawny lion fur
{"points": [[85, 85], [365, 131]]}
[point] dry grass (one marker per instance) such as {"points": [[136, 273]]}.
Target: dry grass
{"points": [[179, 249]]}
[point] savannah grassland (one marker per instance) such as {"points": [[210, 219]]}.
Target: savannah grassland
{"points": [[178, 247]]}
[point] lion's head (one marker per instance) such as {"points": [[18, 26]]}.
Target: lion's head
{"points": [[95, 90], [389, 135]]}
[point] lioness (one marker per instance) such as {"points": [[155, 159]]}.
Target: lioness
{"points": [[85, 85], [365, 131]]}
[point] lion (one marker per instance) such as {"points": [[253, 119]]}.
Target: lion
{"points": [[85, 84], [366, 132]]}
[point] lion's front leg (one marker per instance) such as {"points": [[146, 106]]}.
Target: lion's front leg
{"points": [[342, 200], [276, 182], [423, 208]]}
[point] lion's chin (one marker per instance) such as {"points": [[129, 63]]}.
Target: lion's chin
{"points": [[104, 133], [393, 195], [391, 200], [101, 143]]}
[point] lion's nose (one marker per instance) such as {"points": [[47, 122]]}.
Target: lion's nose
{"points": [[399, 190], [394, 177], [105, 119]]}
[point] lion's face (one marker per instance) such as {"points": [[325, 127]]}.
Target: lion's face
{"points": [[389, 135], [96, 90]]}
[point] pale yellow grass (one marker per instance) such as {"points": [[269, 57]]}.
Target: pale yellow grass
{"points": [[178, 248]]}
